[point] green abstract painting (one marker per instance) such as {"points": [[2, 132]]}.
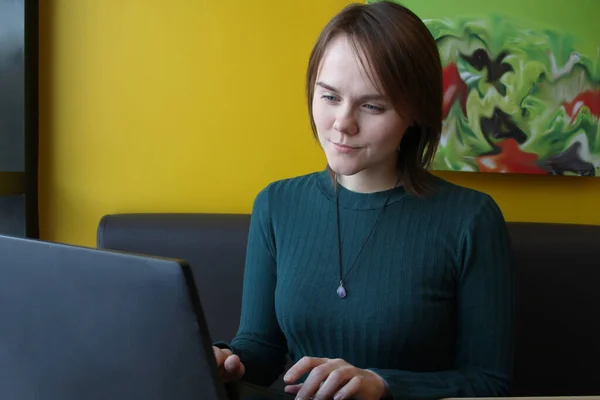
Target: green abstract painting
{"points": [[521, 85]]}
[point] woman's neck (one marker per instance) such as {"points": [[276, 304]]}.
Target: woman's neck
{"points": [[369, 181]]}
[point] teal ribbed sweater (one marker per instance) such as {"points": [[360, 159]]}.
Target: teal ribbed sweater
{"points": [[430, 300]]}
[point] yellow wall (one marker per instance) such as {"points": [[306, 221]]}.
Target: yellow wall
{"points": [[194, 106]]}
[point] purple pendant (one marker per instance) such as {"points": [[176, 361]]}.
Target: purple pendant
{"points": [[341, 292]]}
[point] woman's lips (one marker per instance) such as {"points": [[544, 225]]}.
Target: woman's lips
{"points": [[345, 149]]}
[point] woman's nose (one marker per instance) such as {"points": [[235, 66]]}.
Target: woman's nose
{"points": [[346, 123]]}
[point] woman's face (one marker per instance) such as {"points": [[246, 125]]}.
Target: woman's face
{"points": [[358, 128]]}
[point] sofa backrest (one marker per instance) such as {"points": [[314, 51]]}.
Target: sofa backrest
{"points": [[558, 288], [558, 309], [213, 244]]}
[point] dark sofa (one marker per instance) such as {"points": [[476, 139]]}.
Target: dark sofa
{"points": [[558, 288]]}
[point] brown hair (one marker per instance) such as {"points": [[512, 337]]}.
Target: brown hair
{"points": [[402, 54]]}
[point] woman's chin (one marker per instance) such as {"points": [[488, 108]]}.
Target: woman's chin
{"points": [[342, 168]]}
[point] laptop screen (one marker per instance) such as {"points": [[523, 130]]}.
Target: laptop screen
{"points": [[81, 323]]}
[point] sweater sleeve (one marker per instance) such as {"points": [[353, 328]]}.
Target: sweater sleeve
{"points": [[485, 310], [260, 343]]}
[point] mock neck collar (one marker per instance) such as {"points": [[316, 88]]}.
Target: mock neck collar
{"points": [[356, 200]]}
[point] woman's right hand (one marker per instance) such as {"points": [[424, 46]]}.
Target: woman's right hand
{"points": [[229, 365]]}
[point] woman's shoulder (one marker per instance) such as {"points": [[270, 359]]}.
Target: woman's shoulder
{"points": [[291, 184], [457, 196], [283, 191], [463, 205], [460, 211]]}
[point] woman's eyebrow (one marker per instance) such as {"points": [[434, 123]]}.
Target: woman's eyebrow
{"points": [[374, 96]]}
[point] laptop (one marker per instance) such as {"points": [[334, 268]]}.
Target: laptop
{"points": [[84, 323]]}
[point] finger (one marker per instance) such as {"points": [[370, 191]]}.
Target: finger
{"points": [[350, 389], [292, 389], [219, 356], [305, 365], [337, 379], [314, 381], [241, 370], [234, 366], [231, 363]]}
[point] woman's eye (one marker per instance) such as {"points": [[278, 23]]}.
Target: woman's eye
{"points": [[329, 97], [374, 108]]}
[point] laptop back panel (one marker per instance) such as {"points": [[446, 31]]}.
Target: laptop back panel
{"points": [[86, 323]]}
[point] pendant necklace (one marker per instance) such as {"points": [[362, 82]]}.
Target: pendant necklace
{"points": [[341, 290]]}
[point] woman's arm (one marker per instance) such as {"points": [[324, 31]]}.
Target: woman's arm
{"points": [[259, 342], [485, 311]]}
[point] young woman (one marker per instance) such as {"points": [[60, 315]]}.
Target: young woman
{"points": [[377, 278]]}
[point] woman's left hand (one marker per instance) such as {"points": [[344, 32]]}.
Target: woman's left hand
{"points": [[333, 379]]}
